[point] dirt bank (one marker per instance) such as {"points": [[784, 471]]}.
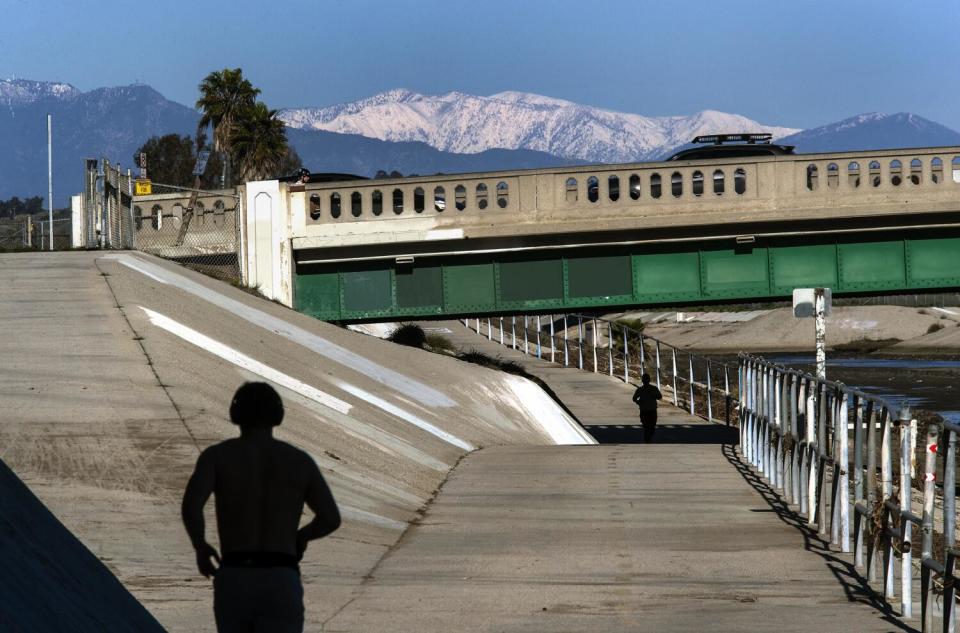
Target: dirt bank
{"points": [[867, 329]]}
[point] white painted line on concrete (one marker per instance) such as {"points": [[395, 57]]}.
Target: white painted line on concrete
{"points": [[363, 516], [424, 393], [361, 431], [554, 421], [130, 263], [242, 360], [945, 311], [405, 415]]}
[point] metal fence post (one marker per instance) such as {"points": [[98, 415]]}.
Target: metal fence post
{"points": [[501, 330], [489, 330], [949, 528], [579, 341], [642, 354], [595, 343], [610, 346], [673, 357], [812, 457], [690, 367], [907, 428], [842, 431], [926, 527], [626, 357], [513, 332], [526, 339], [539, 346], [709, 395], [857, 481], [553, 345], [566, 346], [658, 364], [886, 478]]}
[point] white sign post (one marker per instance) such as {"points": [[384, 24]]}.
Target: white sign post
{"points": [[815, 302]]}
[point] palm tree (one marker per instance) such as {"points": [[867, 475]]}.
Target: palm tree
{"points": [[224, 96], [259, 142]]}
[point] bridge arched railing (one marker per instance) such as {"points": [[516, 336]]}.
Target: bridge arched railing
{"points": [[803, 181], [699, 384], [795, 430]]}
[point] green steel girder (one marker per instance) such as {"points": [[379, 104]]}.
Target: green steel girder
{"points": [[618, 276]]}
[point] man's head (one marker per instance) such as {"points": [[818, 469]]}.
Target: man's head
{"points": [[256, 404], [645, 379]]}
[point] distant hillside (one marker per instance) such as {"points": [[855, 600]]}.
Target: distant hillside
{"points": [[873, 131], [350, 153], [110, 122]]}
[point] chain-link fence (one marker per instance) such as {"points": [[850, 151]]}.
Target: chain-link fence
{"points": [[195, 228], [30, 232]]}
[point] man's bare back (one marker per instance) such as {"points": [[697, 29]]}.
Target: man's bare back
{"points": [[260, 485]]}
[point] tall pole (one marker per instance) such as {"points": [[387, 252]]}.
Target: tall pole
{"points": [[50, 175]]}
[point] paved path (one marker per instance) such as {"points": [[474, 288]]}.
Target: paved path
{"points": [[617, 537]]}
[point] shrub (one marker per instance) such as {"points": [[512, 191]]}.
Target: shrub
{"points": [[409, 334]]}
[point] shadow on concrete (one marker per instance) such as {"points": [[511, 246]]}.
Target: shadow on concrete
{"points": [[853, 584], [49, 581], [666, 433]]}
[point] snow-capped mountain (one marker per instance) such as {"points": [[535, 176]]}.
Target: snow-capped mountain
{"points": [[873, 130], [18, 92], [463, 123]]}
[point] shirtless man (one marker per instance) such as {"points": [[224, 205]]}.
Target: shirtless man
{"points": [[260, 485]]}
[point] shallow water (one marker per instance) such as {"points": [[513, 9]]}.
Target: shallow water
{"points": [[923, 383]]}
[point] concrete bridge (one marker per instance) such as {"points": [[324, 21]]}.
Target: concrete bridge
{"points": [[621, 234], [584, 237]]}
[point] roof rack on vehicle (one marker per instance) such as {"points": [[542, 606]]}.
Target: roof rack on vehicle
{"points": [[720, 139]]}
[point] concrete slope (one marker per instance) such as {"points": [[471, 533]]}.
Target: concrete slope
{"points": [[48, 580], [119, 368]]}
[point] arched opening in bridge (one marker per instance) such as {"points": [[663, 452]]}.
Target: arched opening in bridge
{"points": [[218, 210], [156, 217], [875, 173], [936, 170], [176, 217], [833, 175], [315, 206], [613, 188], [634, 187], [138, 217], [460, 197], [334, 205], [398, 201], [655, 190], [697, 183], [718, 182], [896, 174], [376, 200], [503, 195], [439, 199], [571, 190], [593, 189], [916, 171], [481, 196], [676, 184], [419, 200], [853, 174], [199, 213], [812, 178], [740, 180], [956, 168], [356, 204]]}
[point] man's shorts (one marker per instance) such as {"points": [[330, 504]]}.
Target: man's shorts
{"points": [[258, 599]]}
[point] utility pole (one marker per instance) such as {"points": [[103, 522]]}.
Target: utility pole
{"points": [[50, 176]]}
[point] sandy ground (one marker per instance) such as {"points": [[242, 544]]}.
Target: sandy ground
{"points": [[890, 329]]}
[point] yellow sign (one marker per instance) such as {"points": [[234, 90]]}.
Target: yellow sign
{"points": [[143, 188]]}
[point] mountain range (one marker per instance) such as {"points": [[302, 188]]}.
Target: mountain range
{"points": [[396, 130]]}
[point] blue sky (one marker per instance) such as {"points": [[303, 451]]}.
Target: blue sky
{"points": [[788, 62]]}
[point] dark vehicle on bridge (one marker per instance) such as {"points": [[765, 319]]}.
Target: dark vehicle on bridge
{"points": [[731, 146]]}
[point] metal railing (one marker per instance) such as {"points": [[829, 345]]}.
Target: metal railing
{"points": [[696, 383], [795, 430]]}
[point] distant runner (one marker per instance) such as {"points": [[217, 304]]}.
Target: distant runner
{"points": [[260, 485], [646, 397]]}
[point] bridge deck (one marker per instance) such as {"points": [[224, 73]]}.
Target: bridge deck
{"points": [[618, 537]]}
